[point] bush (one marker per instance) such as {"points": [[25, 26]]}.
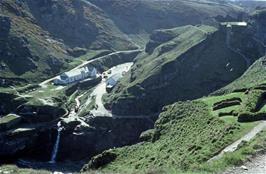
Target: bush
{"points": [[253, 101]]}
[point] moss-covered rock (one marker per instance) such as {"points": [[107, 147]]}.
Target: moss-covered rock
{"points": [[100, 160]]}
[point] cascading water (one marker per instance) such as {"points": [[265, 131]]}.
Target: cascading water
{"points": [[56, 145]]}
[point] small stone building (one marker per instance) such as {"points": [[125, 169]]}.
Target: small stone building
{"points": [[76, 75], [112, 81]]}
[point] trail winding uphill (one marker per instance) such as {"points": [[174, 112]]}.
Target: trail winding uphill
{"points": [[256, 166], [247, 137]]}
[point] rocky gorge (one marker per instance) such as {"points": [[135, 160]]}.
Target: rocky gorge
{"points": [[173, 83]]}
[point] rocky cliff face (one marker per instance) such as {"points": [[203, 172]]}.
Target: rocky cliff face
{"points": [[79, 141], [259, 19], [78, 23], [25, 48]]}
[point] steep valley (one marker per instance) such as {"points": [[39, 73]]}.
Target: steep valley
{"points": [[122, 86], [47, 38], [182, 64]]}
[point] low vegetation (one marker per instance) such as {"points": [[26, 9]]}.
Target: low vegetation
{"points": [[180, 141], [182, 63], [244, 152]]}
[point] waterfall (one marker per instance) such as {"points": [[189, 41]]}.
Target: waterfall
{"points": [[56, 145]]}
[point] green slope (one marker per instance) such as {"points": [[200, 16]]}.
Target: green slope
{"points": [[38, 37], [179, 64], [185, 136], [139, 18], [41, 36]]}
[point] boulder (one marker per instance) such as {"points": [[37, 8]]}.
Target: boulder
{"points": [[147, 135], [100, 160]]}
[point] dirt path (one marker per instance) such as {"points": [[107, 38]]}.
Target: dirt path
{"points": [[100, 90], [247, 137], [256, 166]]}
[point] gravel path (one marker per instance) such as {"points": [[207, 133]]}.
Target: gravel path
{"points": [[100, 90], [251, 134], [256, 166]]}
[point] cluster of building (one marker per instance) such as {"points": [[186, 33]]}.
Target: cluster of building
{"points": [[76, 75]]}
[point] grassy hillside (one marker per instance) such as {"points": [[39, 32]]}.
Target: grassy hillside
{"points": [[26, 51], [42, 36], [140, 17], [185, 136], [255, 75], [79, 24], [179, 64], [38, 39]]}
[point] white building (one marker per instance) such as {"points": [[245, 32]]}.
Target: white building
{"points": [[112, 81], [76, 75], [232, 24]]}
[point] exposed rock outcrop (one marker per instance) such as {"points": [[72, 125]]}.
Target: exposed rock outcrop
{"points": [[26, 141], [79, 141]]}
